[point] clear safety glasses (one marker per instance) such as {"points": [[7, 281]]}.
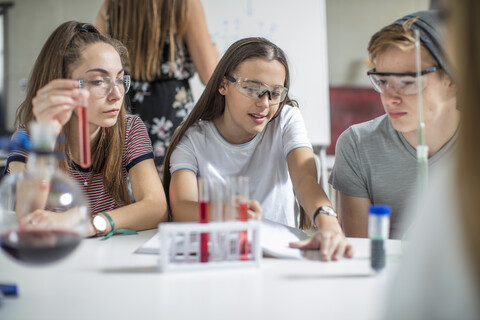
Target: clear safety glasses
{"points": [[402, 83], [256, 89], [103, 86]]}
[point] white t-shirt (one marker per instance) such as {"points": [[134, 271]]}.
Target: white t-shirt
{"points": [[263, 159]]}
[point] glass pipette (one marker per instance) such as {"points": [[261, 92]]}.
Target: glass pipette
{"points": [[422, 148]]}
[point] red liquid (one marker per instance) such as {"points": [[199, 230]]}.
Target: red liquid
{"points": [[244, 248], [39, 246], [84, 138], [203, 218]]}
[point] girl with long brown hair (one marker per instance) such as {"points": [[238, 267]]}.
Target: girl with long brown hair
{"points": [[78, 53], [245, 124]]}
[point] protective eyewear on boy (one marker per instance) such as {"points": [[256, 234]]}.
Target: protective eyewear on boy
{"points": [[256, 89], [402, 83], [103, 86]]}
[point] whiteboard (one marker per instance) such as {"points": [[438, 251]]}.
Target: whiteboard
{"points": [[296, 26]]}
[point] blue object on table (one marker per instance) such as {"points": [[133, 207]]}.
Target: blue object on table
{"points": [[9, 290]]}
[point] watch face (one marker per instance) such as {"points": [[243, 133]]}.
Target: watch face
{"points": [[99, 223]]}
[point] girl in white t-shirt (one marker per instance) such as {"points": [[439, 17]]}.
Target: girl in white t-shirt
{"points": [[244, 124]]}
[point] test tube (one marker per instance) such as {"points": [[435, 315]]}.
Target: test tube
{"points": [[378, 232], [203, 200], [84, 135], [239, 201], [217, 199]]}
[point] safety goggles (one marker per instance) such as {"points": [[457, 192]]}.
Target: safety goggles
{"points": [[256, 89], [103, 86], [402, 83]]}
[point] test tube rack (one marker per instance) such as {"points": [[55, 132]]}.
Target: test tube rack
{"points": [[180, 245]]}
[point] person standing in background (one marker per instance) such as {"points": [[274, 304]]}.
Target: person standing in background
{"points": [[167, 41]]}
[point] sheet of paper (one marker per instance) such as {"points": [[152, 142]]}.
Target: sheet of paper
{"points": [[275, 239], [152, 246]]}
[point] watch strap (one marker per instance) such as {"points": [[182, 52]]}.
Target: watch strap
{"points": [[329, 211], [114, 231]]}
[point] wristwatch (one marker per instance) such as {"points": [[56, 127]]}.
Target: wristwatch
{"points": [[323, 210], [99, 224]]}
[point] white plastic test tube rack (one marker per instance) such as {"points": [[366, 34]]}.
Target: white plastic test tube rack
{"points": [[180, 245]]}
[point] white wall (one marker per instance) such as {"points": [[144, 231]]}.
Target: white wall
{"points": [[350, 23], [30, 22]]}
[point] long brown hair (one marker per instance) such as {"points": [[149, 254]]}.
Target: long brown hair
{"points": [[144, 26], [211, 104], [60, 54], [467, 50]]}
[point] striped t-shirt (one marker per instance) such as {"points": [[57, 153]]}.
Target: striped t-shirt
{"points": [[137, 148]]}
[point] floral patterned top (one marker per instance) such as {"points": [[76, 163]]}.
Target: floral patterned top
{"points": [[162, 104]]}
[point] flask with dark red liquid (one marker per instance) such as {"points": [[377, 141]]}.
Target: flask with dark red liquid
{"points": [[43, 213]]}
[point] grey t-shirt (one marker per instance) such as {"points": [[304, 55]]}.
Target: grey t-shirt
{"points": [[373, 160]]}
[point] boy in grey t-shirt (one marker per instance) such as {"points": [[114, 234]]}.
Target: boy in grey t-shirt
{"points": [[375, 162]]}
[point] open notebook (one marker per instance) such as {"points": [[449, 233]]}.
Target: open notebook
{"points": [[274, 240]]}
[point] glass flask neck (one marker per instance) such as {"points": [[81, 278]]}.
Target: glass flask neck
{"points": [[40, 161]]}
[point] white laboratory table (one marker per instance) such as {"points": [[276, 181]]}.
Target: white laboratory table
{"points": [[108, 280]]}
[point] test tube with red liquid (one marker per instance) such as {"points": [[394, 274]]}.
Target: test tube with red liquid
{"points": [[240, 193], [83, 134], [203, 201]]}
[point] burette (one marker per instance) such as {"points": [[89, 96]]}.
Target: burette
{"points": [[422, 148]]}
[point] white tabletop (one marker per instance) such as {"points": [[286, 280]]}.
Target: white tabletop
{"points": [[108, 280]]}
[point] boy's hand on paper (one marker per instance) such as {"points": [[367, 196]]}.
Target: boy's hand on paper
{"points": [[332, 245]]}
